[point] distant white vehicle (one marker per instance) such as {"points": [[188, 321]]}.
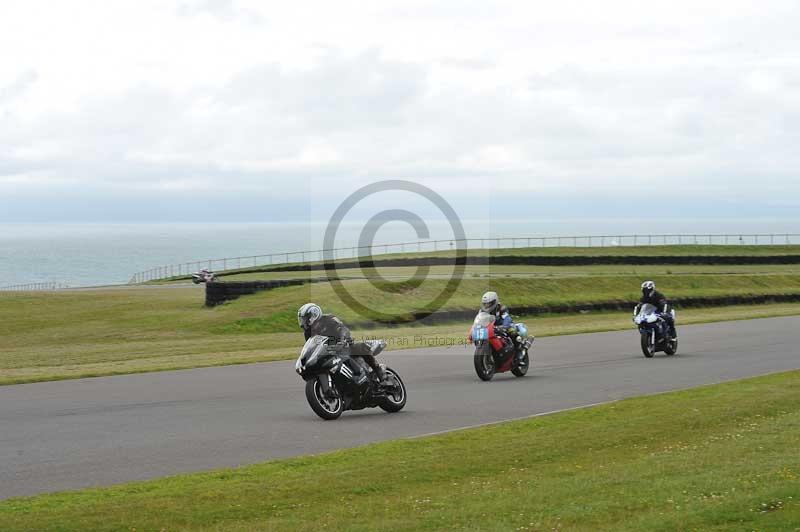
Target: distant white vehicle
{"points": [[204, 276]]}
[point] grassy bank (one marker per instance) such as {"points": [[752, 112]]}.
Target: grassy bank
{"points": [[71, 334], [722, 457], [276, 309], [98, 348]]}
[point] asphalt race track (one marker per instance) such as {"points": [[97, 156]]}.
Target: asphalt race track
{"points": [[101, 431]]}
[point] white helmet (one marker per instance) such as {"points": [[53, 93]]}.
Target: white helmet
{"points": [[648, 287], [489, 301], [308, 314]]}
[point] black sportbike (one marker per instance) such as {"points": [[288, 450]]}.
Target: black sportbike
{"points": [[654, 332], [337, 381]]}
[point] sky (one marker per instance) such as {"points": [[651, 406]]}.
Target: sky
{"points": [[228, 110]]}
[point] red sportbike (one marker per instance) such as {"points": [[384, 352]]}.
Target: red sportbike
{"points": [[496, 347]]}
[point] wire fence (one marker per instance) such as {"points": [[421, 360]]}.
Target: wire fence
{"points": [[33, 287], [287, 257]]}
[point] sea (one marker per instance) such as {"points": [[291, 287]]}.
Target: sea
{"points": [[95, 254]]}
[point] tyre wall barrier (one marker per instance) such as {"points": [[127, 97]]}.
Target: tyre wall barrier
{"points": [[219, 292], [520, 260]]}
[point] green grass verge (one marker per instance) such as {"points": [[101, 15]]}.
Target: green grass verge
{"points": [[721, 457], [69, 334], [276, 308], [72, 334], [53, 356]]}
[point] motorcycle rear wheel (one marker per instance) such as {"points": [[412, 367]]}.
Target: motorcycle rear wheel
{"points": [[484, 362], [327, 409], [648, 349], [395, 402]]}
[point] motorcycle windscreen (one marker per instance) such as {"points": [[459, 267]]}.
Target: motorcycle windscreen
{"points": [[312, 349], [483, 319], [646, 313]]}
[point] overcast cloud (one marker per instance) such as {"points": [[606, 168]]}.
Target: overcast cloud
{"points": [[150, 101]]}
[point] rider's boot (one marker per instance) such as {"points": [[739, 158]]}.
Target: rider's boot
{"points": [[525, 348], [520, 351]]}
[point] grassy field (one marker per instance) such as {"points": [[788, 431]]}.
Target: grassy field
{"points": [[721, 457], [70, 334], [83, 334], [275, 311]]}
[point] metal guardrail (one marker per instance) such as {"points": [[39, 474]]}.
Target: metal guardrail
{"points": [[33, 287], [276, 259]]}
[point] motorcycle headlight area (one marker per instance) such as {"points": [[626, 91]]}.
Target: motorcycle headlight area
{"points": [[480, 333]]}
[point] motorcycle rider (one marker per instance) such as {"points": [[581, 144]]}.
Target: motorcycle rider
{"points": [[314, 322], [490, 303], [657, 299], [203, 276]]}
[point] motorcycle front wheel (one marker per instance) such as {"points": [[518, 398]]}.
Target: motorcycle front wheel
{"points": [[484, 362], [396, 399], [324, 407], [672, 347], [648, 348], [521, 369]]}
